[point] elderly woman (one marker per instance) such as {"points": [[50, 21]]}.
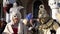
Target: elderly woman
{"points": [[15, 26]]}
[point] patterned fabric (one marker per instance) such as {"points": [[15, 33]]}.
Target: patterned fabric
{"points": [[49, 25]]}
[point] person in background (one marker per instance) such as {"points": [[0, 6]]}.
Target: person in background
{"points": [[53, 4], [58, 19], [16, 7], [31, 24], [15, 26], [28, 22], [2, 26], [7, 4]]}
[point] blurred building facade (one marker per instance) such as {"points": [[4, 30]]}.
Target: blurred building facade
{"points": [[32, 6]]}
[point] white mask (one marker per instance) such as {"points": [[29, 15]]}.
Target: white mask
{"points": [[15, 4]]}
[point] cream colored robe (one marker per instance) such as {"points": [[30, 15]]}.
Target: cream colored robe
{"points": [[21, 29]]}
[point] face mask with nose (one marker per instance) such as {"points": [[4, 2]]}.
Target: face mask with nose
{"points": [[15, 17]]}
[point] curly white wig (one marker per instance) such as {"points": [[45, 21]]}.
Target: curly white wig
{"points": [[13, 13]]}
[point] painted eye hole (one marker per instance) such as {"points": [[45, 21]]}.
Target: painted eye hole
{"points": [[55, 3], [14, 16], [41, 7]]}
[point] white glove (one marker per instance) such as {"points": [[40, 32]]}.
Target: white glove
{"points": [[30, 28]]}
